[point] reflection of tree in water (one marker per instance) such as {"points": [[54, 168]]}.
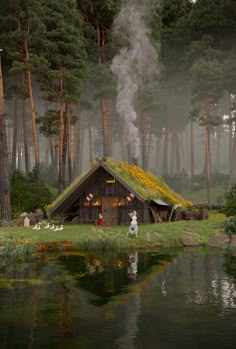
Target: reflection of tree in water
{"points": [[229, 285], [55, 288], [130, 320], [106, 276], [66, 317], [229, 264]]}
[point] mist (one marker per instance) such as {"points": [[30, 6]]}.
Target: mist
{"points": [[149, 82], [136, 61]]}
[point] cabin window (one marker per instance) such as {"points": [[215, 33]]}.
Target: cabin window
{"points": [[97, 203], [122, 202], [110, 180]]}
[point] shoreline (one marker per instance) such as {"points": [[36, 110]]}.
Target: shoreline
{"points": [[87, 237]]}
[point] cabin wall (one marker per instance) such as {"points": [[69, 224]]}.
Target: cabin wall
{"points": [[110, 199]]}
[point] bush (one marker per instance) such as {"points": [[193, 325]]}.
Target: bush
{"points": [[230, 226], [178, 182], [28, 193], [18, 249], [230, 209], [217, 179]]}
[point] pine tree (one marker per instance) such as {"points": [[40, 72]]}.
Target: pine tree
{"points": [[22, 32], [207, 81], [63, 49], [5, 210]]}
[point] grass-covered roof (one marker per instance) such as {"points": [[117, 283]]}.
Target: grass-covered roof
{"points": [[145, 184]]}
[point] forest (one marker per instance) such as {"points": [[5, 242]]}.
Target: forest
{"points": [[151, 82]]}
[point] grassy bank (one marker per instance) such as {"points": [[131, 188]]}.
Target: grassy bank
{"points": [[93, 237]]}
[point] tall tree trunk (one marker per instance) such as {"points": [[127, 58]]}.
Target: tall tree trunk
{"points": [[9, 142], [177, 152], [33, 114], [56, 153], [68, 117], [81, 144], [165, 152], [207, 155], [47, 153], [234, 154], [64, 155], [218, 147], [5, 208], [15, 136], [172, 153], [105, 128], [158, 154], [61, 136], [149, 148], [183, 151], [51, 151], [106, 123], [90, 138], [19, 150], [192, 157], [24, 126], [230, 142], [75, 149]]}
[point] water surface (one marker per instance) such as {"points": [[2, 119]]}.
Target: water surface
{"points": [[165, 300]]}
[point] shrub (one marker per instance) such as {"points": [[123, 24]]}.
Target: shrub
{"points": [[28, 193], [178, 182], [14, 248], [217, 179], [230, 226], [230, 209]]}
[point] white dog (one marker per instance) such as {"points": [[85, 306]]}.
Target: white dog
{"points": [[133, 228]]}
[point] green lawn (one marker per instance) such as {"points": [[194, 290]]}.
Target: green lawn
{"points": [[94, 237]]}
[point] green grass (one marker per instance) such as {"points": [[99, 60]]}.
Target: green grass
{"points": [[90, 237]]}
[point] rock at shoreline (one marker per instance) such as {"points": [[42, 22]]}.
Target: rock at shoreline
{"points": [[220, 241], [233, 241], [190, 240]]}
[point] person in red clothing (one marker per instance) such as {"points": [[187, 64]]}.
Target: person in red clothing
{"points": [[100, 219]]}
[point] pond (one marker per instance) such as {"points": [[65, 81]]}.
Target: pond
{"points": [[161, 299]]}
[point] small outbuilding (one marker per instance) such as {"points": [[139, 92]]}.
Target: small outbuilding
{"points": [[112, 189]]}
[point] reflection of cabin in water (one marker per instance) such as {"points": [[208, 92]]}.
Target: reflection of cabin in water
{"points": [[106, 189]]}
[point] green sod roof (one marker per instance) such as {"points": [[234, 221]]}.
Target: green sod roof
{"points": [[144, 184]]}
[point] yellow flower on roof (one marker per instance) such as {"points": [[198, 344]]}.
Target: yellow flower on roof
{"points": [[156, 184]]}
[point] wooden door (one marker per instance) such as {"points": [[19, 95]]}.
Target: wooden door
{"points": [[110, 211]]}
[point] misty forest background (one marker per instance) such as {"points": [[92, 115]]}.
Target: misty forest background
{"points": [[150, 81]]}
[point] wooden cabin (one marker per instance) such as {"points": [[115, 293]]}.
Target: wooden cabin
{"points": [[108, 190]]}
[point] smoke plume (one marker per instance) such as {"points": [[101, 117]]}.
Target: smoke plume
{"points": [[136, 62]]}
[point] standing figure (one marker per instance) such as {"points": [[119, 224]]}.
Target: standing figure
{"points": [[133, 228], [100, 219]]}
